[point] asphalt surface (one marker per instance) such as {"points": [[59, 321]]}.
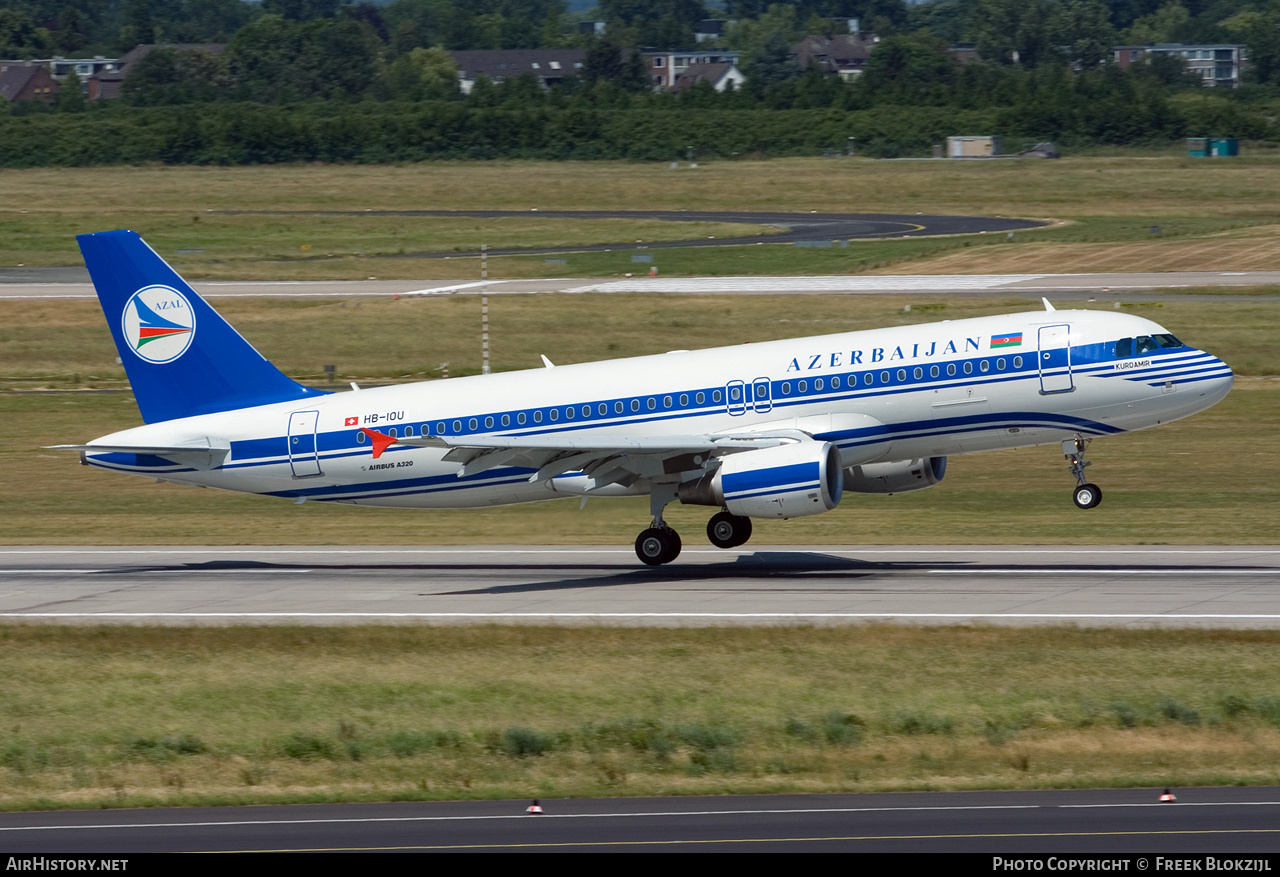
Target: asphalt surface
{"points": [[793, 227], [73, 283], [1124, 586], [1236, 824]]}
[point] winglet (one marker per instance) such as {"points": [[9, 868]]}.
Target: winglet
{"points": [[546, 362], [1047, 306]]}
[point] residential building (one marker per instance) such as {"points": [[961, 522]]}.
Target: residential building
{"points": [[550, 66], [844, 54], [710, 30], [665, 67], [25, 80], [1218, 65], [721, 76]]}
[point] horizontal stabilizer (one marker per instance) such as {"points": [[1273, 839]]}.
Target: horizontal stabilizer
{"points": [[206, 456]]}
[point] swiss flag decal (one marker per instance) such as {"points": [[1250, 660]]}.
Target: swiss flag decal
{"points": [[351, 421]]}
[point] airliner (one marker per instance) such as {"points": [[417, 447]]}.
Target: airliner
{"points": [[780, 429]]}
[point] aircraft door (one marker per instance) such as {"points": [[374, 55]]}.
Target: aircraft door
{"points": [[735, 397], [1055, 359], [762, 397], [304, 457]]}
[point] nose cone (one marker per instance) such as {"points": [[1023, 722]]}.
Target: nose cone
{"points": [[1216, 382]]}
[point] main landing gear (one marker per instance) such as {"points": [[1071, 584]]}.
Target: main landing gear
{"points": [[1085, 495], [660, 544], [728, 531]]}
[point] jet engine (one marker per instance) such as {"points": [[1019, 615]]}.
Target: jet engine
{"points": [[788, 481], [896, 477]]}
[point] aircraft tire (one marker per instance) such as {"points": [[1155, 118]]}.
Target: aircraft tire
{"points": [[658, 545], [1087, 496], [728, 531]]}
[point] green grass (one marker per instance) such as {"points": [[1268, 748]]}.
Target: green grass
{"points": [[1108, 199], [141, 716]]}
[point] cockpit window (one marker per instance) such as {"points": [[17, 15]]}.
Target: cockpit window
{"points": [[1144, 344]]}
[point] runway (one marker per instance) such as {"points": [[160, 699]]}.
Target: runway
{"points": [[73, 283], [1111, 586], [1235, 824]]}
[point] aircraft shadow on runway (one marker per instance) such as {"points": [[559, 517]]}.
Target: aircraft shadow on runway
{"points": [[796, 566]]}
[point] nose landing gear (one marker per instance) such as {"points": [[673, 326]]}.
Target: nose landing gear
{"points": [[1085, 495]]}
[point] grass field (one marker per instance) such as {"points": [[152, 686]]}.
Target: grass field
{"points": [[137, 717], [186, 213]]}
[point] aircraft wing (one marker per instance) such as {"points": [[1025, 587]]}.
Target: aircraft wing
{"points": [[606, 458]]}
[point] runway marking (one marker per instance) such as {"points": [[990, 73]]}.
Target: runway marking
{"points": [[1234, 571], [771, 840], [717, 616], [865, 283], [710, 552], [620, 815]]}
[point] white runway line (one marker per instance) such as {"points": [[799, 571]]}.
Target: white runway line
{"points": [[618, 616], [860, 283]]}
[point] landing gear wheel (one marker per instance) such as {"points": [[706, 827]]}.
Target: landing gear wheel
{"points": [[1087, 496], [728, 531], [658, 545]]}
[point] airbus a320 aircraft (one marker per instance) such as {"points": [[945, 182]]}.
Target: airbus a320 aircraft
{"points": [[779, 429]]}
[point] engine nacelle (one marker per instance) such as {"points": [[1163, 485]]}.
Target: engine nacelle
{"points": [[896, 477], [788, 481]]}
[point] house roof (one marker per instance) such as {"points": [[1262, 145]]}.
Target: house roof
{"points": [[509, 63], [833, 52], [695, 73], [15, 77]]}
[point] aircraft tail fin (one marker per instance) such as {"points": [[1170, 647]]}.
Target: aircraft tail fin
{"points": [[181, 357]]}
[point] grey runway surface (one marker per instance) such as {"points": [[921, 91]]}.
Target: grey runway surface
{"points": [[1145, 586], [1234, 823], [73, 283]]}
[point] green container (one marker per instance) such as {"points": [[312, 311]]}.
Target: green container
{"points": [[1221, 147]]}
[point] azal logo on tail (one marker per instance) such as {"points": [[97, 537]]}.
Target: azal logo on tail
{"points": [[158, 323]]}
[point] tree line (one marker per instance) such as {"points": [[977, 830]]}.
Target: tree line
{"points": [[312, 80]]}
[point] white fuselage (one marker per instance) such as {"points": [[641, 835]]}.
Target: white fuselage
{"points": [[912, 392]]}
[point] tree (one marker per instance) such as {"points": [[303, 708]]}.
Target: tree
{"points": [[770, 63], [1084, 28], [1168, 24], [423, 74], [1012, 31], [909, 69], [1260, 30]]}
